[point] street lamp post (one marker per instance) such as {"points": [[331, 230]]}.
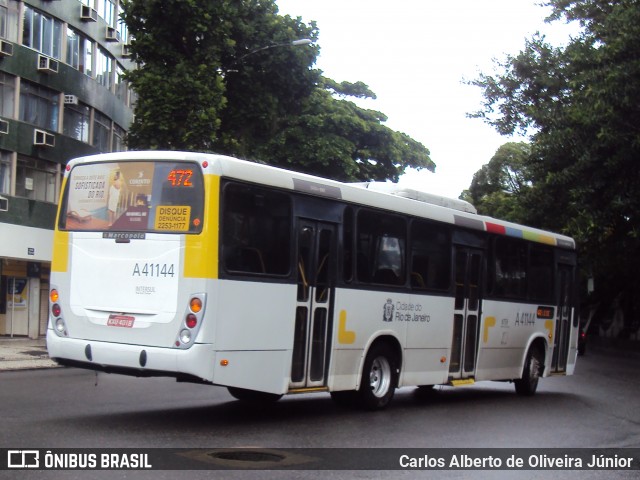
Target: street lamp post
{"points": [[294, 43]]}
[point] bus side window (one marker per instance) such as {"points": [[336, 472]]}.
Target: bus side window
{"points": [[430, 256], [381, 248], [256, 230], [509, 279], [541, 274], [245, 259]]}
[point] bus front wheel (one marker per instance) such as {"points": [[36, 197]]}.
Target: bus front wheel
{"points": [[528, 384], [379, 378]]}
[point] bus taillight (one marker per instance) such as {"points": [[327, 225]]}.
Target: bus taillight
{"points": [[57, 321], [195, 305], [192, 321]]}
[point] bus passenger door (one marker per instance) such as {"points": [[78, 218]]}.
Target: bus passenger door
{"points": [[467, 310], [562, 335], [315, 273]]}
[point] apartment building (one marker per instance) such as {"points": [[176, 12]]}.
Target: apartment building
{"points": [[62, 95]]}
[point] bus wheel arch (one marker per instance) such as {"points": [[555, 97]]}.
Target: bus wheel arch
{"points": [[380, 373], [533, 368]]}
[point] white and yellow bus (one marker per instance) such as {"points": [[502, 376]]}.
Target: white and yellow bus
{"points": [[268, 282]]}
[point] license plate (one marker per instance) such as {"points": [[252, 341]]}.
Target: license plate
{"points": [[120, 321]]}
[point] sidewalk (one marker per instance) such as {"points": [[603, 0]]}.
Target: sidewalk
{"points": [[22, 353]]}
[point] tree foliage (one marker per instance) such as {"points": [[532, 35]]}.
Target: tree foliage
{"points": [[580, 104], [500, 188], [224, 77]]}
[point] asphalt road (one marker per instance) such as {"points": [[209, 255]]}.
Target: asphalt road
{"points": [[68, 408]]}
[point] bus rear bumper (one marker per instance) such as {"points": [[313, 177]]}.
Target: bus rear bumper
{"points": [[193, 364]]}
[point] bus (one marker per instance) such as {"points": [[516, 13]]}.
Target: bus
{"points": [[216, 270]]}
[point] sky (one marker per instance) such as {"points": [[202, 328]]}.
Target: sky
{"points": [[415, 55]]}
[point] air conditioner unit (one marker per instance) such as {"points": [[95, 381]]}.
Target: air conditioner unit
{"points": [[88, 14], [112, 35], [47, 64], [6, 48], [126, 50], [4, 126], [43, 139], [4, 204], [70, 100]]}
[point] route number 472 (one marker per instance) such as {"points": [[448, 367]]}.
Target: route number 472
{"points": [[153, 270]]}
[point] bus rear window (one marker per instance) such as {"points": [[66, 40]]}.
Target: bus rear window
{"points": [[166, 197]]}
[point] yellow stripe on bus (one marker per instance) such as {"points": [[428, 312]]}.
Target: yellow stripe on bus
{"points": [[345, 337], [60, 260], [201, 251], [488, 323], [548, 325]]}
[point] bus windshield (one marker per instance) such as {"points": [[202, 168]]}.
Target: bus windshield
{"points": [[134, 197]]}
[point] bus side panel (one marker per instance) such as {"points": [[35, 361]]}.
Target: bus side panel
{"points": [[506, 331], [429, 322], [255, 316], [254, 333], [264, 371], [421, 324]]}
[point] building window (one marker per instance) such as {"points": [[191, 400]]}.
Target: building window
{"points": [[124, 32], [42, 33], [122, 87], [101, 131], [104, 66], [4, 16], [75, 49], [118, 139], [36, 179], [107, 10], [77, 119], [79, 52], [5, 172], [9, 13], [7, 95], [39, 105]]}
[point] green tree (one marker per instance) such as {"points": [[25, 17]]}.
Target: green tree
{"points": [[500, 188], [223, 76], [580, 103], [334, 137], [178, 45]]}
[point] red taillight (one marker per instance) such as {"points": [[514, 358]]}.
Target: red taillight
{"points": [[192, 321], [583, 335], [56, 310]]}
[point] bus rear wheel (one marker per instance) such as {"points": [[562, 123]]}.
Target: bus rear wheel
{"points": [[528, 384], [253, 396], [379, 378]]}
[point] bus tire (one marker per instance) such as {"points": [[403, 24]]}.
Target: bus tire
{"points": [[379, 378], [528, 384], [253, 396]]}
